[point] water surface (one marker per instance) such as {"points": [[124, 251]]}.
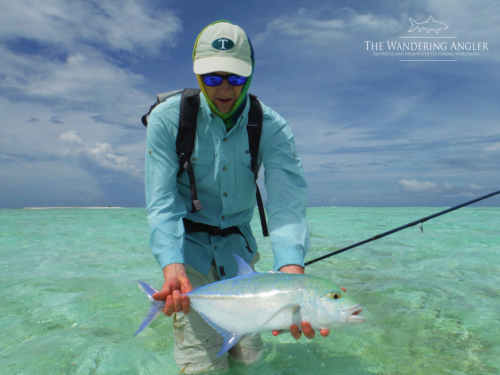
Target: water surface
{"points": [[70, 304]]}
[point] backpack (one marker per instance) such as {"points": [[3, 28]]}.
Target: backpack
{"points": [[190, 103]]}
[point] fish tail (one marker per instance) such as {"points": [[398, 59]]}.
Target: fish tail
{"points": [[154, 310], [414, 25]]}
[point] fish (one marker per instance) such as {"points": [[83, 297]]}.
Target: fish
{"points": [[255, 302], [428, 25]]}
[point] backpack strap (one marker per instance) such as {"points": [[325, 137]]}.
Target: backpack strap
{"points": [[184, 143], [160, 98], [254, 130]]}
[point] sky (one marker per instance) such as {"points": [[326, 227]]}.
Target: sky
{"points": [[370, 129]]}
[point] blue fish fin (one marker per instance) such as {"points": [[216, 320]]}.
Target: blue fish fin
{"points": [[292, 308], [152, 313], [243, 267], [148, 289], [154, 310], [230, 338]]}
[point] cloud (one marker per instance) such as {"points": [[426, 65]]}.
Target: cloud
{"points": [[426, 187], [494, 148], [101, 154], [310, 27], [77, 55], [125, 25]]}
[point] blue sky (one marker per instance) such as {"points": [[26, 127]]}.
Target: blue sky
{"points": [[75, 78]]}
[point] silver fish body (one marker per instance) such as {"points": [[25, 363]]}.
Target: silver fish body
{"points": [[254, 302]]}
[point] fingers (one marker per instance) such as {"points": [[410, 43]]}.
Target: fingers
{"points": [[307, 329], [186, 305], [177, 301], [172, 291], [169, 306], [324, 332], [185, 285], [276, 333], [294, 330]]}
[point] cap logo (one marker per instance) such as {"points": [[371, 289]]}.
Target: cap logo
{"points": [[223, 44]]}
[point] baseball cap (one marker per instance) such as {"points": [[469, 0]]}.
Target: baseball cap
{"points": [[223, 46]]}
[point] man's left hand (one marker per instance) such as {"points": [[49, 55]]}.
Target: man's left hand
{"points": [[306, 326]]}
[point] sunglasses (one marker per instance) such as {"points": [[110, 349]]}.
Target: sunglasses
{"points": [[214, 80]]}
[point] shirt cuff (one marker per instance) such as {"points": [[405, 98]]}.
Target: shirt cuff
{"points": [[169, 257], [292, 257]]}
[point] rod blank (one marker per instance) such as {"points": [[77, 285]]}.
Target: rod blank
{"points": [[413, 223]]}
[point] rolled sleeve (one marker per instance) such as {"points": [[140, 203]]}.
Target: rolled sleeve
{"points": [[165, 207], [286, 194]]}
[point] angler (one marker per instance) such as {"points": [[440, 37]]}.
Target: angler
{"points": [[204, 150]]}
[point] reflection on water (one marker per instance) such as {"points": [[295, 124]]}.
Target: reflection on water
{"points": [[70, 303]]}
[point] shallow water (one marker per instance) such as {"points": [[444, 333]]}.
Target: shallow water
{"points": [[70, 303]]}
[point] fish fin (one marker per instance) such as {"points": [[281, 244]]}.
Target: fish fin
{"points": [[243, 267], [414, 25], [230, 338], [148, 289], [293, 308], [152, 313]]}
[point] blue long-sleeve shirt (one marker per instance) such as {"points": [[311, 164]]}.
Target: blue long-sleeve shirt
{"points": [[226, 190]]}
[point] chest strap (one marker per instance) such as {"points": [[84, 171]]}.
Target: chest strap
{"points": [[191, 226]]}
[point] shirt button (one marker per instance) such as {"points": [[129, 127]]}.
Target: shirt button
{"points": [[194, 158], [223, 218], [215, 247], [225, 139], [225, 194], [224, 168]]}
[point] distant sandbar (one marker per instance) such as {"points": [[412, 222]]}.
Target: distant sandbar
{"points": [[57, 208]]}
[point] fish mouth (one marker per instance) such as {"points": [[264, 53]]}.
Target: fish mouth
{"points": [[354, 316]]}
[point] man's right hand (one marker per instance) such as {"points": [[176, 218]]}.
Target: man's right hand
{"points": [[176, 283]]}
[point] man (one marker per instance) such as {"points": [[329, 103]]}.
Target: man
{"points": [[224, 64]]}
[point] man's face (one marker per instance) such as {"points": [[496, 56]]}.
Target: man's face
{"points": [[225, 95]]}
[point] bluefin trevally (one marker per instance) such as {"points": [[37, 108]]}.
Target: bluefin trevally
{"points": [[428, 25], [254, 302]]}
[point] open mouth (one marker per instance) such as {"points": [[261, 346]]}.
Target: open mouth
{"points": [[224, 100], [355, 317]]}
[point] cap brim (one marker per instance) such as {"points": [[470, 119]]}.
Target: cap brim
{"points": [[222, 64]]}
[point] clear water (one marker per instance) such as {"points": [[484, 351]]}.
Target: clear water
{"points": [[69, 303]]}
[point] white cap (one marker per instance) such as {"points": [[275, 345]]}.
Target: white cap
{"points": [[223, 47]]}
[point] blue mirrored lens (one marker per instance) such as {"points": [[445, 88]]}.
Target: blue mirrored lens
{"points": [[212, 80], [236, 80]]}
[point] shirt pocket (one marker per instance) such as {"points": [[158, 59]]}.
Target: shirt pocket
{"points": [[245, 174], [203, 163]]}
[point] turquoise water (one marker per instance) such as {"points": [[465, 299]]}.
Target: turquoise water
{"points": [[69, 303]]}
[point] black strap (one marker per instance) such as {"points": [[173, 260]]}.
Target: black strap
{"points": [[188, 115], [144, 118], [191, 226], [184, 143], [196, 205], [254, 130]]}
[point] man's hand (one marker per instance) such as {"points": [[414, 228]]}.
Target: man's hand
{"points": [[176, 283], [306, 326]]}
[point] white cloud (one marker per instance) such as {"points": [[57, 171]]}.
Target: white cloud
{"points": [[306, 26], [426, 187], [101, 154], [126, 25], [70, 62], [494, 148]]}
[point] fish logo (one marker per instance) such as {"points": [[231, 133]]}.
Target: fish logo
{"points": [[428, 25]]}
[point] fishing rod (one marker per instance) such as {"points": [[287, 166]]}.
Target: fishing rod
{"points": [[413, 223]]}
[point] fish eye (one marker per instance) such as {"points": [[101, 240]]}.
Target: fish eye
{"points": [[334, 295]]}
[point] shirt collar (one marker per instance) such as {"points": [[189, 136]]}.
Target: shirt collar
{"points": [[210, 115]]}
